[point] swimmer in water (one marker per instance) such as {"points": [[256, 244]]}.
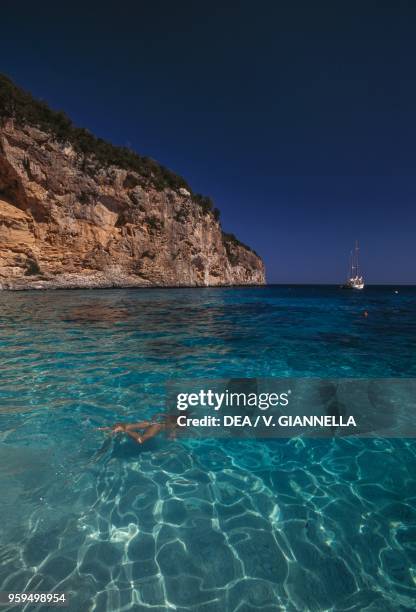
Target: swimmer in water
{"points": [[150, 428]]}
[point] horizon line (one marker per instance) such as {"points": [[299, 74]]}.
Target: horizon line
{"points": [[338, 284]]}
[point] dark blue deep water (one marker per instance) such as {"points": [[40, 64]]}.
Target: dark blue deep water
{"points": [[200, 526]]}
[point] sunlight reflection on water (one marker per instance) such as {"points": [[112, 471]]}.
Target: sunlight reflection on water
{"points": [[210, 524]]}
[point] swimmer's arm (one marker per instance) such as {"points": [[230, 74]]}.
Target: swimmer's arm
{"points": [[117, 428], [125, 427]]}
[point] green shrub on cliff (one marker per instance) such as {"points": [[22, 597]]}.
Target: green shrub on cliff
{"points": [[32, 267], [230, 240], [205, 202]]}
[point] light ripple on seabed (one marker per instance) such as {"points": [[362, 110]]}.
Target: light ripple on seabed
{"points": [[199, 525]]}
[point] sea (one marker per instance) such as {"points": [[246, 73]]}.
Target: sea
{"points": [[206, 524]]}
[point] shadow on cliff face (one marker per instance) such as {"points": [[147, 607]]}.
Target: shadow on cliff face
{"points": [[11, 188], [13, 192]]}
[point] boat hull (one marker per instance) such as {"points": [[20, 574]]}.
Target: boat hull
{"points": [[353, 288]]}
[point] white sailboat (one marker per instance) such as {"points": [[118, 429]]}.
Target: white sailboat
{"points": [[355, 280]]}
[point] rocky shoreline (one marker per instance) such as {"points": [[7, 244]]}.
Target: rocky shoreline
{"points": [[68, 222]]}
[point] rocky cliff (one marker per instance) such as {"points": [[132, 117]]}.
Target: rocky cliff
{"points": [[67, 219]]}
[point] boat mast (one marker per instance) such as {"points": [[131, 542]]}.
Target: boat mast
{"points": [[356, 258]]}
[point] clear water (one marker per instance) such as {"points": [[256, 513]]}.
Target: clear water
{"points": [[215, 525]]}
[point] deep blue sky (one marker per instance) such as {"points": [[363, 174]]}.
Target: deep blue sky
{"points": [[298, 118]]}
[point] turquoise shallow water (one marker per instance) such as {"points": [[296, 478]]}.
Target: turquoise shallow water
{"points": [[205, 526]]}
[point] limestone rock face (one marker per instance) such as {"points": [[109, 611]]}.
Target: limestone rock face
{"points": [[67, 222]]}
